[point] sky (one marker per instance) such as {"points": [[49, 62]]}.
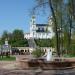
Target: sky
{"points": [[15, 14]]}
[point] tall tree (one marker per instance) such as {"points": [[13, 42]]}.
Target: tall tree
{"points": [[18, 34], [5, 35], [54, 6], [63, 13]]}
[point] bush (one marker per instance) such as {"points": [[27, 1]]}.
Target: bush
{"points": [[44, 42], [38, 53]]}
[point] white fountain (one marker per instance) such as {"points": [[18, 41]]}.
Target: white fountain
{"points": [[49, 55]]}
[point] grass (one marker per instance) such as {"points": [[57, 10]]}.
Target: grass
{"points": [[11, 58], [69, 55]]}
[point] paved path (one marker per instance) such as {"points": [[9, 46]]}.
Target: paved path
{"points": [[9, 64], [36, 72], [12, 68], [12, 64]]}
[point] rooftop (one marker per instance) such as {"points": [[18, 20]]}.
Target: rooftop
{"points": [[41, 24]]}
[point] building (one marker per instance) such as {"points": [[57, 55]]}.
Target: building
{"points": [[39, 31]]}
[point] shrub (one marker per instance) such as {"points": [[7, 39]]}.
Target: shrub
{"points": [[44, 42], [38, 53]]}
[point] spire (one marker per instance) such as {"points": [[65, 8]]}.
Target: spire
{"points": [[32, 24], [50, 20], [33, 20], [33, 16]]}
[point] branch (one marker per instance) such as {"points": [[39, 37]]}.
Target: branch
{"points": [[39, 5]]}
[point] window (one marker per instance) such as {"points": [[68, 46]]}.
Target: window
{"points": [[42, 29], [39, 29]]}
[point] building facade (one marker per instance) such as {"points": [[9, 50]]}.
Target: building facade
{"points": [[39, 31]]}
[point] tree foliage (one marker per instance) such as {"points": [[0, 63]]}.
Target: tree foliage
{"points": [[15, 39], [63, 13], [38, 52], [44, 43]]}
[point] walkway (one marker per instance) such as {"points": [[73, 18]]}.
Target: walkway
{"points": [[13, 68], [37, 72]]}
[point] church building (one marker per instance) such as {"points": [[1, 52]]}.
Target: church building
{"points": [[40, 31]]}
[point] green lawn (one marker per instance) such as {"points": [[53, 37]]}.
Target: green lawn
{"points": [[69, 55], [11, 58]]}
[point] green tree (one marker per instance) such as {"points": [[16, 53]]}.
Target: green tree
{"points": [[61, 19], [18, 39], [15, 39], [54, 5], [5, 35], [18, 34]]}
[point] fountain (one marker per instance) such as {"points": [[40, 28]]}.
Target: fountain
{"points": [[49, 55], [48, 62]]}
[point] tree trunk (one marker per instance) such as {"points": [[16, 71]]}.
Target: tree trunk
{"points": [[56, 31]]}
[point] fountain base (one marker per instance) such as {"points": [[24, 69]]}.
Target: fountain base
{"points": [[43, 64]]}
